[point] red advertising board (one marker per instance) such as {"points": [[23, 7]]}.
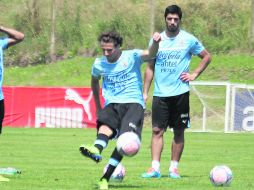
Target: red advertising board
{"points": [[56, 107]]}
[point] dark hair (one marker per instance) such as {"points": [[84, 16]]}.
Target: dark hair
{"points": [[111, 36], [173, 9]]}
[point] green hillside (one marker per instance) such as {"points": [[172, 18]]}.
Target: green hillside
{"points": [[77, 72]]}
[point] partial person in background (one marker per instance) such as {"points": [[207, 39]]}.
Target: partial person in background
{"points": [[170, 106], [121, 76], [13, 37]]}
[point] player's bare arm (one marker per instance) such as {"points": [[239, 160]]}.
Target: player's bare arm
{"points": [[153, 49], [149, 72], [95, 85], [14, 36], [205, 60]]}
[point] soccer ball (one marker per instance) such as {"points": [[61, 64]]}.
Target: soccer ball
{"points": [[221, 175], [118, 174], [128, 144]]}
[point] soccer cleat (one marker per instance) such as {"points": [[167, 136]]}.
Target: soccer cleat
{"points": [[103, 184], [2, 178], [174, 174], [151, 173], [91, 152]]}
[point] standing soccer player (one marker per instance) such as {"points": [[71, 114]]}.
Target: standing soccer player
{"points": [[13, 37], [122, 90], [170, 107]]}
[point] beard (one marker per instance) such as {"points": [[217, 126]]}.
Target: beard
{"points": [[172, 29]]}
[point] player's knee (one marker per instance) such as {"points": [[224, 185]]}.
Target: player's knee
{"points": [[158, 132], [178, 134], [104, 129]]}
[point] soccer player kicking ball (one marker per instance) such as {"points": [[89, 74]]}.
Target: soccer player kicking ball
{"points": [[13, 37], [122, 90]]}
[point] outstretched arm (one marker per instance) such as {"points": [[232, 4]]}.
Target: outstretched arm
{"points": [[14, 36], [205, 60], [148, 78], [149, 54], [96, 93]]}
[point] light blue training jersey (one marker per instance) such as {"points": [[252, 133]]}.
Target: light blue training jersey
{"points": [[122, 80], [3, 45], [173, 58]]}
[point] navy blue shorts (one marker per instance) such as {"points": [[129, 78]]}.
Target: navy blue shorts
{"points": [[171, 111], [122, 118]]}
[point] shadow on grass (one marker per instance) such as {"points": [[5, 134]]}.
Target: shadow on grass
{"points": [[128, 186], [122, 186], [182, 176]]}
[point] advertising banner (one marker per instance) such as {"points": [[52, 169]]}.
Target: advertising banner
{"points": [[243, 110], [51, 107]]}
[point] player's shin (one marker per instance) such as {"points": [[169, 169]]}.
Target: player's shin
{"points": [[114, 160], [101, 141]]}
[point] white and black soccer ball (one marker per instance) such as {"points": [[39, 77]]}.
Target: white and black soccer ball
{"points": [[128, 144], [221, 175], [119, 173]]}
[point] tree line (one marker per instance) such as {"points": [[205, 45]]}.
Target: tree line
{"points": [[61, 29]]}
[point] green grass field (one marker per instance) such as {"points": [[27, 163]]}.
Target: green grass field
{"points": [[50, 160]]}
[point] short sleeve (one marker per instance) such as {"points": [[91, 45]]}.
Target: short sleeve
{"points": [[137, 53], [197, 47], [4, 43], [95, 69]]}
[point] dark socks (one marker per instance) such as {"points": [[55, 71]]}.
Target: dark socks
{"points": [[101, 141], [113, 162]]}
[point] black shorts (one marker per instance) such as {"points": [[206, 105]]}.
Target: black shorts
{"points": [[171, 111], [122, 118], [1, 114]]}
